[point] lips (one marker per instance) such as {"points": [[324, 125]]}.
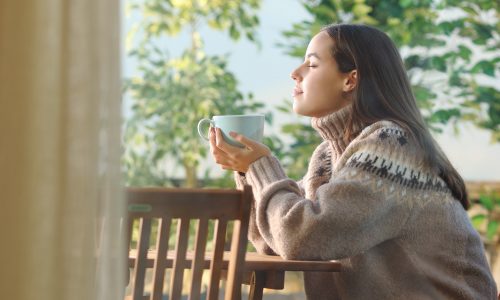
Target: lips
{"points": [[297, 91]]}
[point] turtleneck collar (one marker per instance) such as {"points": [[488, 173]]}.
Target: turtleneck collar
{"points": [[331, 128]]}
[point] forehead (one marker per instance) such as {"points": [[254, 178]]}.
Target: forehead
{"points": [[321, 44]]}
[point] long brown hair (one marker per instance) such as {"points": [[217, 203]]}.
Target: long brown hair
{"points": [[384, 92]]}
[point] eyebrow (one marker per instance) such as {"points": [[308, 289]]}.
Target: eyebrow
{"points": [[313, 54]]}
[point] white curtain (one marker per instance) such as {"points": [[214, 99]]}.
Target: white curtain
{"points": [[60, 191]]}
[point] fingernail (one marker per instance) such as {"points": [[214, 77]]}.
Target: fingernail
{"points": [[233, 134]]}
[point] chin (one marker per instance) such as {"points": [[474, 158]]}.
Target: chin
{"points": [[303, 113], [296, 108]]}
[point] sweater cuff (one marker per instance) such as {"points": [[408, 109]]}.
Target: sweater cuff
{"points": [[239, 180], [264, 171]]}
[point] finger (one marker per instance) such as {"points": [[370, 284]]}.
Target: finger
{"points": [[211, 137], [222, 159], [244, 140], [215, 149], [223, 145], [219, 155]]}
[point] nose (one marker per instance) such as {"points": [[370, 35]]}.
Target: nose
{"points": [[295, 75]]}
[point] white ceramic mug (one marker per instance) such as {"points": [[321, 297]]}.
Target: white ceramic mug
{"points": [[251, 126]]}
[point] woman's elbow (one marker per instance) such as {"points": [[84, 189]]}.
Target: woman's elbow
{"points": [[297, 250], [310, 250]]}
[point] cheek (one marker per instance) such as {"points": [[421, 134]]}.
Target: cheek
{"points": [[332, 85], [322, 88], [333, 90]]}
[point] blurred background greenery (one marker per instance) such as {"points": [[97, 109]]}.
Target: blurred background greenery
{"points": [[450, 49], [451, 62]]}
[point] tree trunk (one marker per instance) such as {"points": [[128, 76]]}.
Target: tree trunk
{"points": [[191, 179]]}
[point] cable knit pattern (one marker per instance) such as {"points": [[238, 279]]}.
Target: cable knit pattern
{"points": [[372, 204], [331, 128]]}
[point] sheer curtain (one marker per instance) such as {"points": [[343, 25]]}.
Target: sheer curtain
{"points": [[60, 191]]}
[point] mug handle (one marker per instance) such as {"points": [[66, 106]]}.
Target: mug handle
{"points": [[201, 124]]}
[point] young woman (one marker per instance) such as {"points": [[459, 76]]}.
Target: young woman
{"points": [[379, 194]]}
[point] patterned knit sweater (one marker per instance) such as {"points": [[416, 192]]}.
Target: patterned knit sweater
{"points": [[371, 204]]}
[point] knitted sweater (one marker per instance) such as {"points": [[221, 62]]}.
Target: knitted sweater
{"points": [[371, 204]]}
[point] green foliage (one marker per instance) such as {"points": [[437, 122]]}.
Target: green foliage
{"points": [[170, 17], [440, 54], [170, 95], [488, 219], [463, 52]]}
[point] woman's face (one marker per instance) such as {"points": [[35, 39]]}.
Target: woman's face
{"points": [[320, 88]]}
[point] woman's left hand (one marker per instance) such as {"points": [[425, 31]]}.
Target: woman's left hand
{"points": [[230, 157]]}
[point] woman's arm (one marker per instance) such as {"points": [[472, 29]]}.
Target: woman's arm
{"points": [[358, 209], [253, 231], [348, 217]]}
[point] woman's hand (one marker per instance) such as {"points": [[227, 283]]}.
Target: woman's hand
{"points": [[234, 158]]}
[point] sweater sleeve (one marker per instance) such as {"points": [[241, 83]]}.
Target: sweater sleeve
{"points": [[356, 210], [253, 231], [240, 181]]}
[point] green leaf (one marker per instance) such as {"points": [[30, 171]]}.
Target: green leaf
{"points": [[485, 67], [422, 93], [477, 220], [361, 9], [405, 3], [439, 63], [455, 79], [464, 52], [233, 32], [496, 198], [492, 229], [486, 201], [443, 116]]}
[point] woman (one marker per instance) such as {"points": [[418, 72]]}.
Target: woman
{"points": [[379, 194]]}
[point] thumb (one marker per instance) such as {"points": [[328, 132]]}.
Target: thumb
{"points": [[243, 139]]}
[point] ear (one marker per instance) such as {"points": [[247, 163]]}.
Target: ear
{"points": [[350, 81]]}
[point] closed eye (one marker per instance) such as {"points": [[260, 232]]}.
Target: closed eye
{"points": [[312, 66]]}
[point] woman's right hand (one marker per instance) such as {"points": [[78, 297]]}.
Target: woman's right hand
{"points": [[234, 158]]}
